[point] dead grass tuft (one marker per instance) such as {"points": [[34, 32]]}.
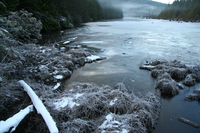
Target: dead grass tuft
{"points": [[167, 85], [93, 106], [194, 97], [77, 126]]}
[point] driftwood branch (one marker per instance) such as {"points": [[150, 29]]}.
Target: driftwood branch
{"points": [[186, 121], [41, 109]]}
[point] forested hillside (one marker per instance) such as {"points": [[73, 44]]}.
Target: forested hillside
{"points": [[139, 8], [56, 14], [184, 10]]}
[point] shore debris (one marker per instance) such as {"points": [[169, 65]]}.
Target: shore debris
{"points": [[186, 121]]}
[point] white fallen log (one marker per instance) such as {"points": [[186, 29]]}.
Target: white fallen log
{"points": [[41, 109], [13, 122]]}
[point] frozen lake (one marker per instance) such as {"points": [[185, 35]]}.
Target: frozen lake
{"points": [[127, 43]]}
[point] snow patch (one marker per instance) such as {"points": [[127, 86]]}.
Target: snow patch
{"points": [[67, 101], [111, 123], [58, 76], [56, 86], [55, 72], [94, 58], [66, 42], [112, 102]]}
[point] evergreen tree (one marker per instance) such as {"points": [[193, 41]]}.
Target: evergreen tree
{"points": [[75, 11], [186, 10]]}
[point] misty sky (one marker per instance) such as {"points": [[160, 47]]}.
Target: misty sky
{"points": [[165, 1]]}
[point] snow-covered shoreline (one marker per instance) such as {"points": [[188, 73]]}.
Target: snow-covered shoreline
{"points": [[46, 67], [84, 108], [43, 67]]}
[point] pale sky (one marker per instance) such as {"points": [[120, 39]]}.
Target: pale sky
{"points": [[165, 1]]}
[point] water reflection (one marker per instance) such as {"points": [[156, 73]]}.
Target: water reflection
{"points": [[105, 69]]}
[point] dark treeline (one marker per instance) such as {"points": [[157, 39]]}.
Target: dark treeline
{"points": [[57, 14], [111, 9], [184, 10]]}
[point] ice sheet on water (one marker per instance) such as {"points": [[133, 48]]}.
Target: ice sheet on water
{"points": [[92, 42]]}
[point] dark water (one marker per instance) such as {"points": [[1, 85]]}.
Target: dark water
{"points": [[127, 43], [173, 108]]}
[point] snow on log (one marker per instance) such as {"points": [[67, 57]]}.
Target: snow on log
{"points": [[13, 122], [41, 109], [92, 58]]}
